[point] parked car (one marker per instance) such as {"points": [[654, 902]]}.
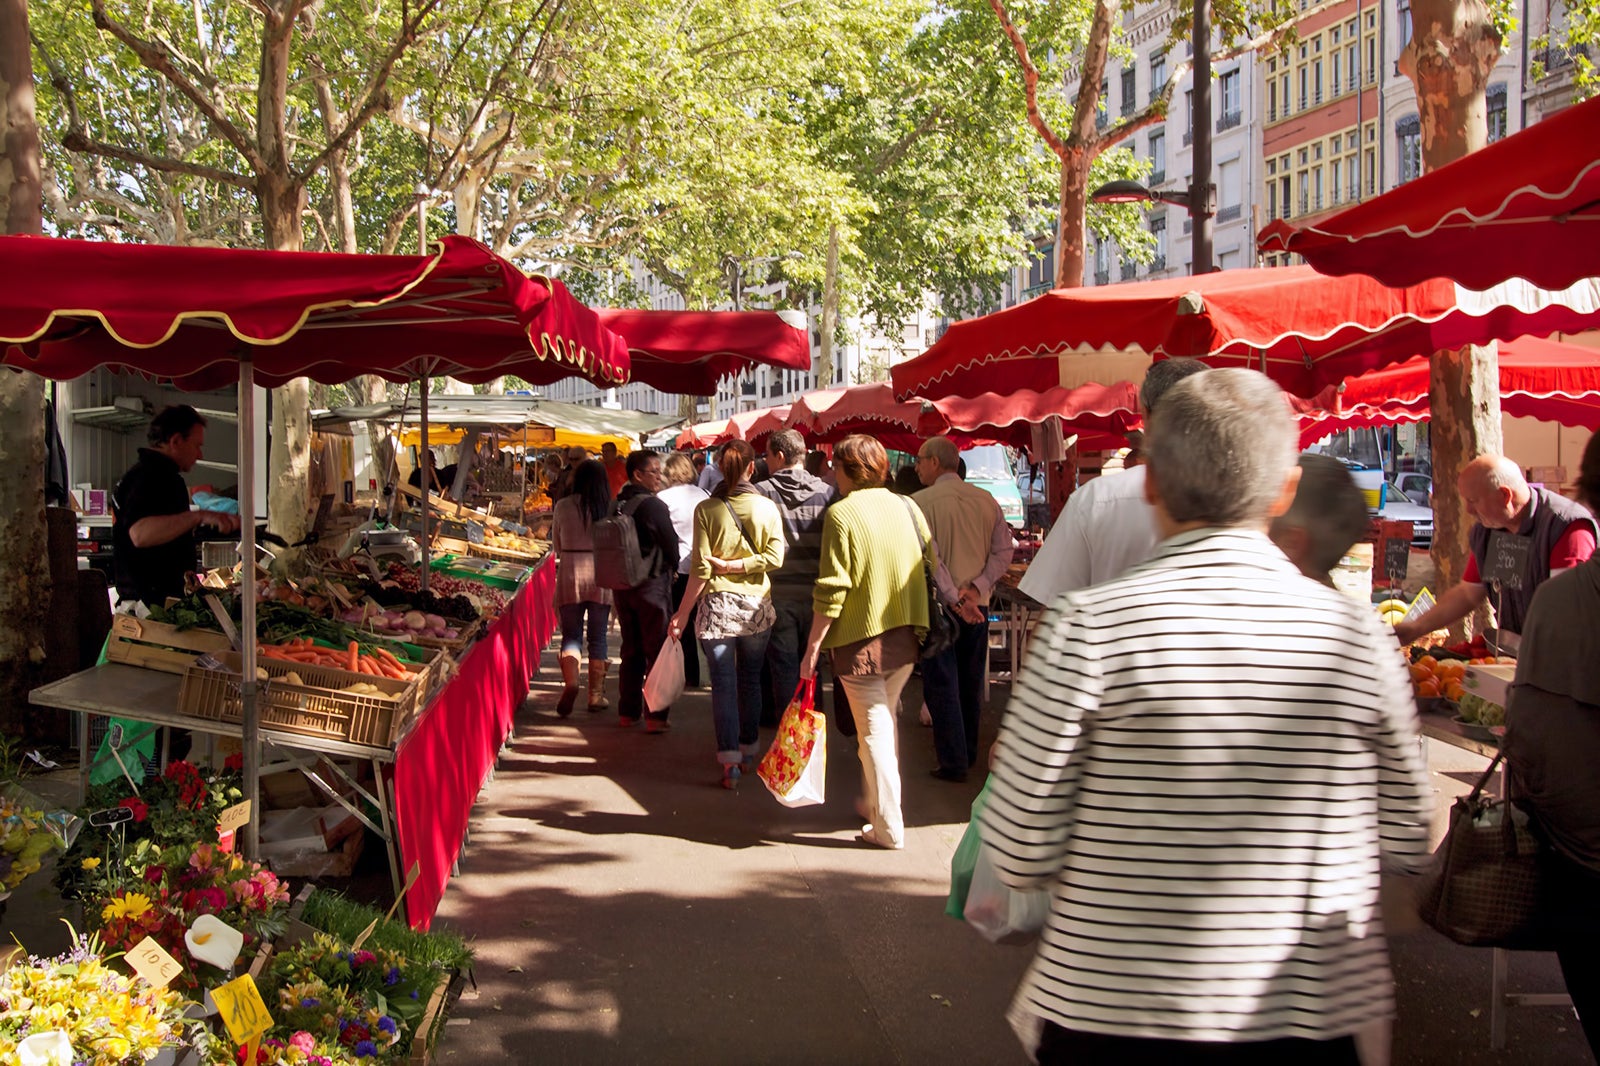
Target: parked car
{"points": [[989, 467], [1418, 488], [1397, 507]]}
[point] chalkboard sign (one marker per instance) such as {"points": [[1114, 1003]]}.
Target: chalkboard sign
{"points": [[474, 532], [1507, 560], [1396, 558]]}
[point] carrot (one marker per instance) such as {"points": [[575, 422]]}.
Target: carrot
{"points": [[364, 665], [355, 650], [386, 654]]}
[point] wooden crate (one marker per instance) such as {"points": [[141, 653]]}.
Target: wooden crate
{"points": [[159, 646], [315, 708]]}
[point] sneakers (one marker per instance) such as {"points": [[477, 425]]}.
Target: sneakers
{"points": [[730, 775], [624, 722], [652, 724]]}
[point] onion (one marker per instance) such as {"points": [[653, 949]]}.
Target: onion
{"points": [[416, 620], [449, 634], [435, 622]]}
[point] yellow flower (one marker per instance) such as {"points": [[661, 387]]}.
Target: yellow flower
{"points": [[91, 864], [134, 905]]}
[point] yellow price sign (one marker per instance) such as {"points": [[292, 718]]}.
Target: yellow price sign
{"points": [[233, 817], [242, 1009], [151, 962]]}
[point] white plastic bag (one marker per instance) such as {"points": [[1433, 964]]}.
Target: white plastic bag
{"points": [[1002, 914], [665, 683], [795, 768]]}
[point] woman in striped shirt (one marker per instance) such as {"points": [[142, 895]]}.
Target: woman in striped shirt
{"points": [[1205, 763]]}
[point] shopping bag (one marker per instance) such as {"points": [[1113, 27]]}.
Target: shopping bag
{"points": [[1001, 914], [965, 858], [665, 683], [795, 768]]}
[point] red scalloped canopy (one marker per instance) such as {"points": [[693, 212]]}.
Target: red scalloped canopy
{"points": [[1303, 329], [1527, 206], [187, 314], [691, 351]]}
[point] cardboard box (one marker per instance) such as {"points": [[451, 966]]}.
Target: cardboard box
{"points": [[1492, 682]]}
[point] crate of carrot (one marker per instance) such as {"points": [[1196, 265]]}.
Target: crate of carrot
{"points": [[313, 690]]}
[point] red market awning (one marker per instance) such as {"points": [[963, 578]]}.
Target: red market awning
{"points": [[187, 314], [691, 351], [833, 414], [708, 434], [1548, 380], [1527, 206], [1095, 413], [1303, 329]]}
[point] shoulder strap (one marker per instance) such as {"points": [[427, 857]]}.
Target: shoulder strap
{"points": [[740, 523], [915, 525], [1484, 780]]}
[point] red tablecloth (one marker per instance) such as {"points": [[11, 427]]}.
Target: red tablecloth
{"points": [[443, 763]]}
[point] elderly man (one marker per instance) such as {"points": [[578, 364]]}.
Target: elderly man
{"points": [[1208, 793], [1328, 515], [1106, 526], [1560, 535], [975, 547]]}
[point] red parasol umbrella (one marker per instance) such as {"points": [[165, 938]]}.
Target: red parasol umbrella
{"points": [[186, 314], [1303, 329], [1524, 207], [690, 351], [708, 434], [1543, 379]]}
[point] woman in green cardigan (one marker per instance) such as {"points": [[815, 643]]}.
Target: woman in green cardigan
{"points": [[870, 605], [738, 538]]}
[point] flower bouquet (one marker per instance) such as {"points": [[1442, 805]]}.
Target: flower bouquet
{"points": [[75, 1000]]}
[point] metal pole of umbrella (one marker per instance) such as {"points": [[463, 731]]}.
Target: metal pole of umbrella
{"points": [[251, 739], [427, 470]]}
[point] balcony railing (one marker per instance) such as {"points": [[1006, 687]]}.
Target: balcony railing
{"points": [[1158, 176], [1129, 271], [1158, 263], [1230, 213], [1102, 277], [1036, 290], [747, 388], [1188, 138], [1228, 121]]}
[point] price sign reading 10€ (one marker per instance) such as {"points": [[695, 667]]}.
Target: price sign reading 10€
{"points": [[242, 1009], [151, 962]]}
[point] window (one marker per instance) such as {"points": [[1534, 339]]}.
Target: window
{"points": [[1372, 59], [1230, 195], [1351, 70], [1104, 104], [1188, 116], [1403, 18], [1316, 189], [1408, 138], [1158, 157], [1305, 77], [1334, 39], [1335, 84], [1129, 102], [1158, 74], [1335, 176], [1272, 199], [1158, 229], [1230, 101], [1316, 82], [1102, 262], [1283, 92], [1304, 178], [1272, 100], [1495, 98], [1283, 196]]}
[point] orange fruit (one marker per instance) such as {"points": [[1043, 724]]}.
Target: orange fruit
{"points": [[1428, 663], [1428, 689], [1453, 690], [1452, 669], [1419, 673]]}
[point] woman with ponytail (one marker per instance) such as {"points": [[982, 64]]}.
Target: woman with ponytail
{"points": [[738, 539]]}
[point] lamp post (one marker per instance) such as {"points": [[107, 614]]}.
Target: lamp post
{"points": [[1200, 199]]}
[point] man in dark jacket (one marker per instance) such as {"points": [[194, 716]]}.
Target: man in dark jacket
{"points": [[643, 611], [801, 500]]}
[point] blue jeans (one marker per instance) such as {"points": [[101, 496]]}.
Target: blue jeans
{"points": [[734, 664], [573, 629], [952, 685], [789, 635]]}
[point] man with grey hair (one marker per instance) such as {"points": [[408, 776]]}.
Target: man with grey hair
{"points": [[1205, 762], [1106, 525], [801, 498], [1328, 515], [1559, 533], [975, 547]]}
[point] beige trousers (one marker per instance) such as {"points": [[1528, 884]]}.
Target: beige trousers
{"points": [[874, 699]]}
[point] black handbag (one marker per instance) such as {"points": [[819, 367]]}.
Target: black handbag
{"points": [[1485, 887], [943, 626]]}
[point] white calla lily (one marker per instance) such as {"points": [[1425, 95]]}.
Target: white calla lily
{"points": [[214, 941], [46, 1049]]}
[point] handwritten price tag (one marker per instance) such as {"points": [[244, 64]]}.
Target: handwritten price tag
{"points": [[233, 817], [151, 962], [242, 1009]]}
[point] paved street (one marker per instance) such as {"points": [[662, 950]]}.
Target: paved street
{"points": [[626, 909]]}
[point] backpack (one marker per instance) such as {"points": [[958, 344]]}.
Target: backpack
{"points": [[618, 562]]}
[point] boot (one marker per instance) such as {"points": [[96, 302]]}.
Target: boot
{"points": [[597, 684], [569, 678]]}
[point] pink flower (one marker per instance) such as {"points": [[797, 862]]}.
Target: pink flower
{"points": [[303, 1042]]}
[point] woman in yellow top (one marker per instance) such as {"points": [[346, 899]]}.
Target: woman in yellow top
{"points": [[869, 605], [738, 538]]}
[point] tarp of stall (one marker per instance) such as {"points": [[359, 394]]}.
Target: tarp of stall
{"points": [[691, 351]]}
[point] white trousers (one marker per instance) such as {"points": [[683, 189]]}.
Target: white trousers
{"points": [[873, 701]]}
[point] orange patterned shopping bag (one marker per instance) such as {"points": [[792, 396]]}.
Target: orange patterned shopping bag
{"points": [[795, 768]]}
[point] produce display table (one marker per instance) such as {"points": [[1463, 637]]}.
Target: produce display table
{"points": [[424, 784], [1018, 612], [1443, 728]]}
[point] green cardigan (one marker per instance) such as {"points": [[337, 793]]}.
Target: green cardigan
{"points": [[716, 535], [870, 580]]}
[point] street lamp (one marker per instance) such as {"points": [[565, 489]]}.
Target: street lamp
{"points": [[1200, 199]]}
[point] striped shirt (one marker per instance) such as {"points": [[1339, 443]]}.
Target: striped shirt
{"points": [[1204, 761]]}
